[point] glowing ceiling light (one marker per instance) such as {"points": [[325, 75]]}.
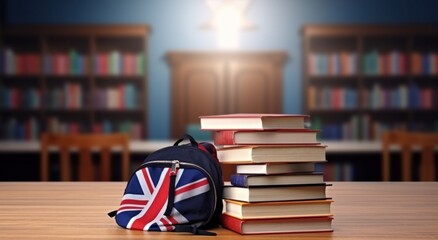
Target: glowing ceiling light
{"points": [[228, 20]]}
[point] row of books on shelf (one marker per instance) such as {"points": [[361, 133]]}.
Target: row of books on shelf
{"points": [[30, 129], [337, 171], [424, 63], [335, 63], [120, 97], [358, 127], [15, 98], [117, 63], [275, 188], [71, 63], [13, 129], [364, 127], [402, 96], [385, 63], [332, 98], [70, 96], [20, 64], [392, 63], [133, 129]]}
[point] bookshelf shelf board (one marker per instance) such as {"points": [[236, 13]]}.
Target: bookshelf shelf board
{"points": [[21, 111], [20, 76], [67, 111], [118, 77], [152, 145], [385, 79], [135, 146], [332, 111], [126, 112], [333, 77], [82, 77]]}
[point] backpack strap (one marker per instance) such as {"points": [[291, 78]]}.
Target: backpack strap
{"points": [[209, 148], [186, 137], [112, 213], [193, 229]]}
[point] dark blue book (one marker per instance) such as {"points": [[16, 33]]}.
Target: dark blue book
{"points": [[414, 96], [242, 180], [425, 64]]}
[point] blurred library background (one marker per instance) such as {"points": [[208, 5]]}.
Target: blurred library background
{"points": [[148, 69]]}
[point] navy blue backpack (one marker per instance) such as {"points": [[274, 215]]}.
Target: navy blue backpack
{"points": [[177, 188]]}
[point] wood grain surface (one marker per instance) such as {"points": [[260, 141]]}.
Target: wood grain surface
{"points": [[78, 210]]}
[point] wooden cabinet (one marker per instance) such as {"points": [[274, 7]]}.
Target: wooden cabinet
{"points": [[205, 83], [73, 79], [359, 81]]}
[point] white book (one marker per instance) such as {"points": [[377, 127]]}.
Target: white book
{"points": [[270, 168]]}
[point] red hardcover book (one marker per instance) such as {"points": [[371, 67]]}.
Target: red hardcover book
{"points": [[253, 121], [275, 210], [63, 64], [36, 64], [336, 98], [280, 225], [127, 64], [344, 63], [105, 64], [416, 63], [384, 64], [260, 137]]}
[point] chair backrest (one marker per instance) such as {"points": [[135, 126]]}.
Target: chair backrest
{"points": [[408, 142], [84, 144]]}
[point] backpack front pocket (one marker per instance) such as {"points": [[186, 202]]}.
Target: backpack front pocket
{"points": [[148, 202]]}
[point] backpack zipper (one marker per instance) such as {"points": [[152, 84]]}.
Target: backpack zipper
{"points": [[171, 196]]}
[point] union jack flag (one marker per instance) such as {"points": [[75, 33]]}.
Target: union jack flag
{"points": [[146, 196]]}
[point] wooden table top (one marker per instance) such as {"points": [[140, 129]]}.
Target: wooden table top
{"points": [[77, 210]]}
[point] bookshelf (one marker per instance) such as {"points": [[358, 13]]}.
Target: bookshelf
{"points": [[361, 80], [70, 79]]}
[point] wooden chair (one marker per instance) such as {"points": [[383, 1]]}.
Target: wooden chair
{"points": [[84, 144], [408, 141]]}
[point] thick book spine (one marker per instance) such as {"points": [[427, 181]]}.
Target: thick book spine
{"points": [[231, 223], [224, 137], [239, 180]]}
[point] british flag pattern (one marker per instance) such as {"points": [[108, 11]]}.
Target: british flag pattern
{"points": [[146, 198]]}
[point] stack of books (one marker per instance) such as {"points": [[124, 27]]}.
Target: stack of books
{"points": [[275, 188]]}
